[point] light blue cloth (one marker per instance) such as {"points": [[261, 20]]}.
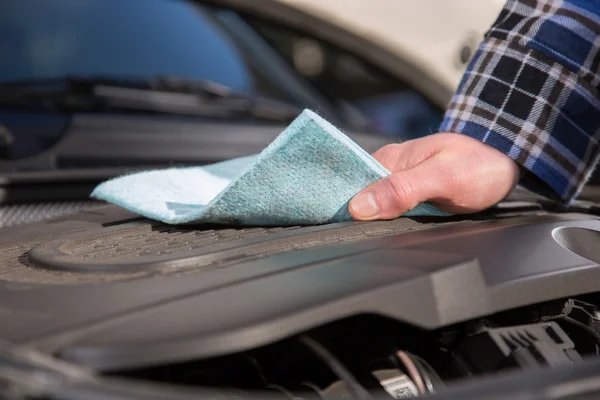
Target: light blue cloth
{"points": [[306, 176]]}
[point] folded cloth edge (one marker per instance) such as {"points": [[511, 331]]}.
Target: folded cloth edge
{"points": [[286, 135]]}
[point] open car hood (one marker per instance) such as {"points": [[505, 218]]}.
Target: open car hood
{"points": [[418, 41]]}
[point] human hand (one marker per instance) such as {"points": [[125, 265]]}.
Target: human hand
{"points": [[454, 172]]}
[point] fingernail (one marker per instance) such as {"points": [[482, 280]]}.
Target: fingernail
{"points": [[365, 205]]}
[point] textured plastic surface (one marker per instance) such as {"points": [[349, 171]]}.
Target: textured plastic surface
{"points": [[17, 214], [96, 287]]}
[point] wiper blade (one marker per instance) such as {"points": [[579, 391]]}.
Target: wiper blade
{"points": [[75, 82], [159, 94]]}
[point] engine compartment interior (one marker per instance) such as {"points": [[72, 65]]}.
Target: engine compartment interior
{"points": [[367, 355], [397, 309]]}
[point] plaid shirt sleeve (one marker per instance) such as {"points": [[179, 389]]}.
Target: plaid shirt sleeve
{"points": [[531, 91]]}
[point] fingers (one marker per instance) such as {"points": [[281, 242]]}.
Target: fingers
{"points": [[396, 194], [456, 173], [407, 155]]}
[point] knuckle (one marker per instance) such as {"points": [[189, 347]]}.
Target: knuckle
{"points": [[387, 154], [401, 191], [389, 148]]}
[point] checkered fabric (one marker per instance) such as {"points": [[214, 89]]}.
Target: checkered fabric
{"points": [[531, 91]]}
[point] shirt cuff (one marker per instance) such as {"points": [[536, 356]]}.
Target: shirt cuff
{"points": [[532, 109]]}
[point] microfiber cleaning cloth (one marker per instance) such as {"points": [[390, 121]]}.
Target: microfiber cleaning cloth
{"points": [[306, 176]]}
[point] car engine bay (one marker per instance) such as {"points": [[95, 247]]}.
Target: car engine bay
{"points": [[370, 354], [390, 309]]}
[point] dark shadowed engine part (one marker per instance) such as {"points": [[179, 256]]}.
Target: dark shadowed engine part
{"points": [[523, 346], [365, 356]]}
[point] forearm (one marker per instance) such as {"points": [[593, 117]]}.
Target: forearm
{"points": [[531, 91]]}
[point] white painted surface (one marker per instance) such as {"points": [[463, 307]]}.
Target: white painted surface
{"points": [[428, 32]]}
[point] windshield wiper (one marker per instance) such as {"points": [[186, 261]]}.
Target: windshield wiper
{"points": [[165, 95]]}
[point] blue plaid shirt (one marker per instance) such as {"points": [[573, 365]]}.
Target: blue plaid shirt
{"points": [[532, 91]]}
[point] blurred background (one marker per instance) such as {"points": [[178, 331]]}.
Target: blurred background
{"points": [[428, 42], [90, 89]]}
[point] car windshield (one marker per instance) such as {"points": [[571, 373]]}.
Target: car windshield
{"points": [[134, 38], [143, 39]]}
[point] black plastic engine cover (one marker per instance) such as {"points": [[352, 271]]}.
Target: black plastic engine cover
{"points": [[110, 290]]}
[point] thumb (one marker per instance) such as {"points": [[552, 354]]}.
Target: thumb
{"points": [[396, 194]]}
